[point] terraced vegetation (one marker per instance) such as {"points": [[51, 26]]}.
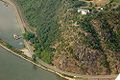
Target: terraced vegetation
{"points": [[85, 44]]}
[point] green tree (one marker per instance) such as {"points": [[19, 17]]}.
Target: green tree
{"points": [[46, 56], [28, 35]]}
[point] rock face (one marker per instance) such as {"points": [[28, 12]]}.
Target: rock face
{"points": [[66, 63], [93, 46]]}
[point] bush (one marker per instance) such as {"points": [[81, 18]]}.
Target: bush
{"points": [[46, 56], [28, 35]]}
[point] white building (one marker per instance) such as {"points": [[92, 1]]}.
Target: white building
{"points": [[83, 11]]}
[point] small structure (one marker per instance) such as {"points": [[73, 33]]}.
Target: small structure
{"points": [[16, 37], [83, 11], [99, 9]]}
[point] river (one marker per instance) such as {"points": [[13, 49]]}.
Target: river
{"points": [[11, 66], [15, 68], [9, 26]]}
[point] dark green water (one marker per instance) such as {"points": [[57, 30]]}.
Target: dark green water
{"points": [[15, 68], [11, 66]]}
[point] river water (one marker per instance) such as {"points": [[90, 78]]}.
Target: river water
{"points": [[9, 26], [11, 66], [15, 68]]}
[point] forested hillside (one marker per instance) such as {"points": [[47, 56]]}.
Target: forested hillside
{"points": [[85, 44]]}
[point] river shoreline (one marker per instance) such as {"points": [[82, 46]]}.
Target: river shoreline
{"points": [[23, 24], [29, 59]]}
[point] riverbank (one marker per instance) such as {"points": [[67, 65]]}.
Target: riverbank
{"points": [[51, 68], [82, 77], [29, 59]]}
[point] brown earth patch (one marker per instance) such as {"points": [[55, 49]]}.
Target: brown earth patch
{"points": [[100, 2]]}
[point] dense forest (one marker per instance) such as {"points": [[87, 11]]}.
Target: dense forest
{"points": [[84, 44]]}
